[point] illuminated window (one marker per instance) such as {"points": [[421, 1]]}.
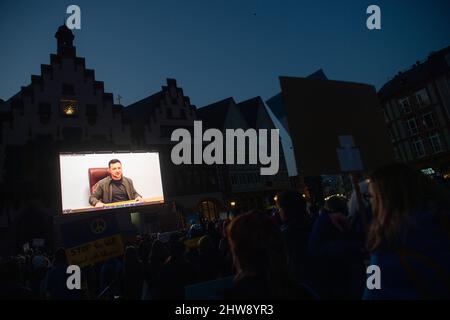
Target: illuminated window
{"points": [[69, 108], [428, 171]]}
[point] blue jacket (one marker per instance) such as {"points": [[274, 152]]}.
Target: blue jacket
{"points": [[337, 259], [327, 241], [420, 268]]}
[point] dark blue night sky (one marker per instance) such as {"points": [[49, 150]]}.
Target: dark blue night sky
{"points": [[217, 49]]}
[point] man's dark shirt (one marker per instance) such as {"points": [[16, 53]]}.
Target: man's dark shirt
{"points": [[119, 192], [103, 191]]}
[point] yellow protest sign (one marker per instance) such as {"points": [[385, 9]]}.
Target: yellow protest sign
{"points": [[96, 251], [192, 243]]}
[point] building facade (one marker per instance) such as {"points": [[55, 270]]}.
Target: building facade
{"points": [[416, 106], [194, 188], [63, 109], [66, 110], [244, 186]]}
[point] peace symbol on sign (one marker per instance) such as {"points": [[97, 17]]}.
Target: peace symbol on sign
{"points": [[98, 226]]}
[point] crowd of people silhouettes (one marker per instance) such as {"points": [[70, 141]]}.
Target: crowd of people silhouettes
{"points": [[293, 252]]}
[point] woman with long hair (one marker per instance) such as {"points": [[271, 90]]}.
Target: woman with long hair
{"points": [[409, 237]]}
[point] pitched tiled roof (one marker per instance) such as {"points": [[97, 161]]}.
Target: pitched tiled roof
{"points": [[142, 108], [436, 64], [249, 109], [213, 115]]}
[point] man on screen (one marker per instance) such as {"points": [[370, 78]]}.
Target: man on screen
{"points": [[114, 188]]}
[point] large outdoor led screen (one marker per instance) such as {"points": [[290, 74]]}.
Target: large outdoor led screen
{"points": [[101, 181]]}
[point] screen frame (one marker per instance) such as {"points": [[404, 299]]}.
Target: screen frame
{"points": [[142, 208]]}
